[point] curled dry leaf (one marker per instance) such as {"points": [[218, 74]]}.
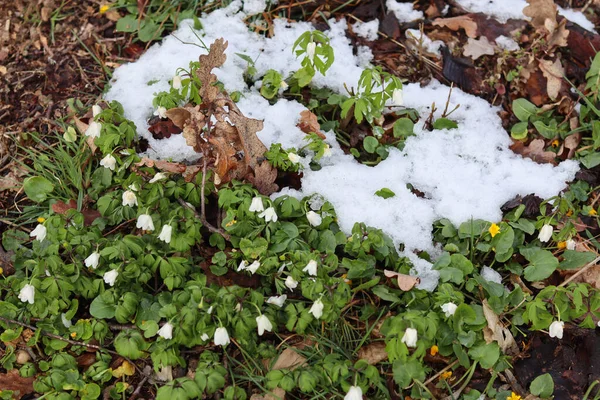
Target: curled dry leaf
{"points": [[553, 72], [373, 353], [289, 359], [178, 116], [162, 165], [308, 123], [456, 23], [405, 282], [539, 11], [535, 150], [496, 332]]}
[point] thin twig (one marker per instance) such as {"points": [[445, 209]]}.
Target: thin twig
{"points": [[138, 388], [581, 271], [202, 214]]}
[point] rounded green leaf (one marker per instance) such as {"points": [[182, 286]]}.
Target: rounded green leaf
{"points": [[37, 188], [370, 144], [542, 386]]}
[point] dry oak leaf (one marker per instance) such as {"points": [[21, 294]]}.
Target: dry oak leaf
{"points": [[539, 11], [553, 72], [477, 48], [308, 123], [162, 165], [178, 116], [496, 332], [559, 36], [535, 151], [373, 353], [405, 282], [289, 359], [214, 59], [12, 380], [456, 23]]}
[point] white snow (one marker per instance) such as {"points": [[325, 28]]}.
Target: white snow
{"points": [[367, 30], [491, 275], [507, 43], [503, 10], [465, 173], [404, 12], [420, 38]]}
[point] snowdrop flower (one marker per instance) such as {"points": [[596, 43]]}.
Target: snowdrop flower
{"points": [[327, 151], [397, 98], [310, 50], [449, 309], [242, 267], [256, 205], [204, 337], [556, 329], [39, 233], [144, 222], [161, 112], [221, 337], [96, 109], [129, 199], [410, 337], [293, 157], [93, 129], [158, 177], [110, 277], [66, 323], [263, 324], [238, 307], [311, 268], [283, 85], [109, 162], [253, 267], [176, 84], [291, 283], [92, 260], [269, 215], [210, 310], [545, 233], [165, 233], [166, 331], [571, 244], [317, 309], [277, 300], [313, 218], [27, 294], [354, 393], [133, 187]]}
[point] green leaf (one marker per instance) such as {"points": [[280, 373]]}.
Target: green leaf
{"points": [[253, 249], [575, 259], [70, 135], [524, 109], [385, 193], [149, 30], [542, 386], [128, 23], [405, 372], [100, 309], [541, 263], [403, 128], [130, 344], [503, 241], [37, 188], [486, 354], [370, 144], [591, 160], [519, 131], [444, 123], [548, 131]]}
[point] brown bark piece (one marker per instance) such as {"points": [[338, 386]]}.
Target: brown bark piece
{"points": [[12, 380]]}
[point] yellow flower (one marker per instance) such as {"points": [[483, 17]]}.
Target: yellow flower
{"points": [[555, 143], [104, 8], [593, 212], [569, 213], [73, 334], [494, 230], [446, 375], [513, 396], [434, 350], [41, 220], [231, 223], [1, 271], [561, 245]]}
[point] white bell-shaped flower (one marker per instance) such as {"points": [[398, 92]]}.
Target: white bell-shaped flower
{"points": [[129, 198], [317, 309], [166, 331], [92, 260], [277, 300], [39, 233], [263, 324], [410, 337], [313, 218], [144, 222], [109, 162], [27, 294], [165, 233], [221, 337]]}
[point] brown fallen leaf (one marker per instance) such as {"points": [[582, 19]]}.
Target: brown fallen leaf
{"points": [[162, 129], [162, 165], [554, 72], [571, 143], [495, 331], [289, 359], [405, 282], [178, 116], [373, 353], [539, 11], [12, 380], [477, 48], [89, 215], [276, 394], [308, 123], [455, 23], [535, 151]]}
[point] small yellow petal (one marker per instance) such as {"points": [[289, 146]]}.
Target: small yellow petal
{"points": [[561, 245], [41, 220], [555, 143], [434, 350], [104, 8], [446, 375], [593, 212], [494, 230]]}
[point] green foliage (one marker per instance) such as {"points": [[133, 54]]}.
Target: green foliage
{"points": [[318, 55]]}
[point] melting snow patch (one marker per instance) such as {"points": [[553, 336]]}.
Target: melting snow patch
{"points": [[404, 12], [503, 10], [464, 173], [367, 30]]}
